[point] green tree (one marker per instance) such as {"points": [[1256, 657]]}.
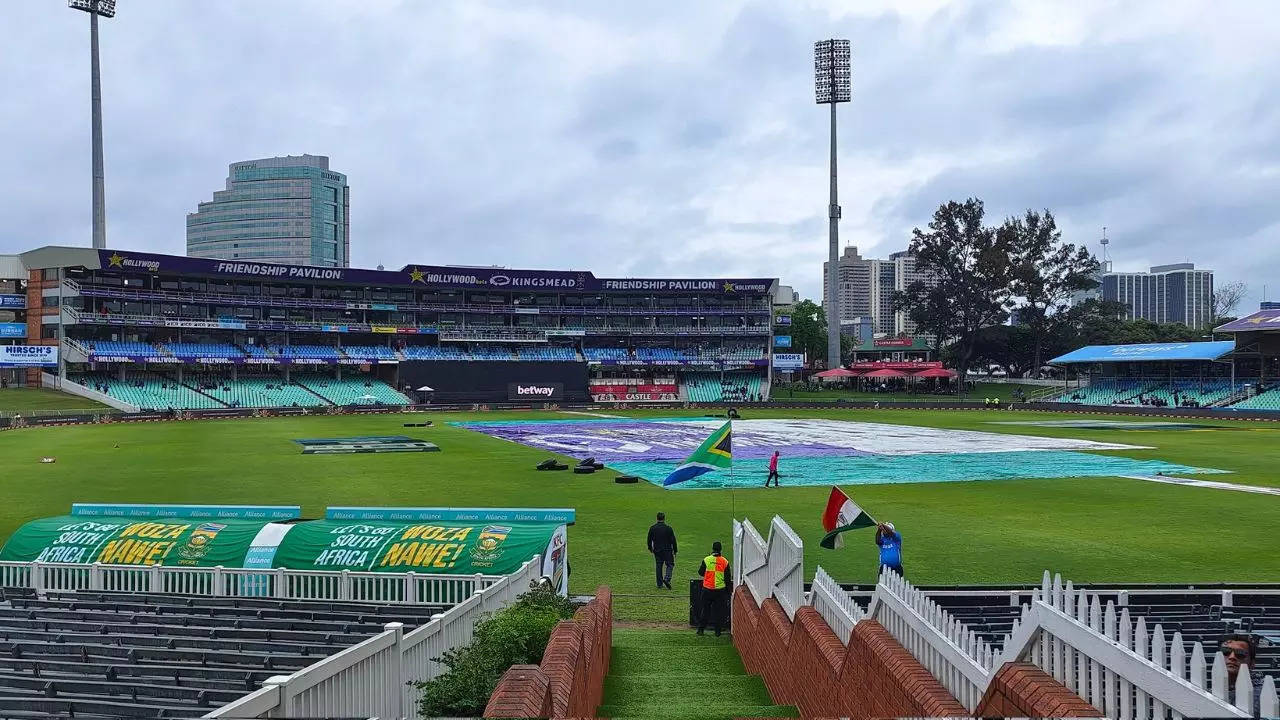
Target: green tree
{"points": [[1010, 347], [1045, 273], [970, 277], [808, 328]]}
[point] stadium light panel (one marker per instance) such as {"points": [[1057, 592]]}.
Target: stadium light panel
{"points": [[832, 71], [105, 8]]}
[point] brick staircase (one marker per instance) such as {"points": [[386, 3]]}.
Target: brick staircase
{"points": [[676, 674]]}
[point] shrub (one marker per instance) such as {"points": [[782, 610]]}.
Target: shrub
{"points": [[516, 635]]}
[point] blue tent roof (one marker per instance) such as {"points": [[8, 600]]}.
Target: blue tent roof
{"points": [[1147, 352]]}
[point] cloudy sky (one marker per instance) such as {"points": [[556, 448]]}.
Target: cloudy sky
{"points": [[634, 138]]}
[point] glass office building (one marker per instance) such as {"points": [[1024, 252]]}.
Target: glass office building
{"points": [[284, 210], [1176, 293]]}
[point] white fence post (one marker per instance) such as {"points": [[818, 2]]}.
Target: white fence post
{"points": [[395, 674]]}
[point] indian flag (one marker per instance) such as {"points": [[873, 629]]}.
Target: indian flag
{"points": [[715, 453], [842, 514]]}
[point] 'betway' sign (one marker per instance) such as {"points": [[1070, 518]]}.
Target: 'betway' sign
{"points": [[535, 391]]}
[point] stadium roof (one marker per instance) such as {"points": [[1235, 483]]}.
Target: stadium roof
{"points": [[1261, 320], [414, 275], [1147, 352]]}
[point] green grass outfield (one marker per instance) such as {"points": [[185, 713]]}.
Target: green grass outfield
{"points": [[27, 399], [1091, 530]]}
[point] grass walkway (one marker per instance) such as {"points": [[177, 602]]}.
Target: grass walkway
{"points": [[677, 674], [28, 399]]}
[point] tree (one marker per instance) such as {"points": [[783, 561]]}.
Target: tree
{"points": [[1009, 347], [808, 328], [1045, 272], [1226, 298], [970, 276]]}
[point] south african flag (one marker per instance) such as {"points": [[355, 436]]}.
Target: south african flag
{"points": [[715, 453]]}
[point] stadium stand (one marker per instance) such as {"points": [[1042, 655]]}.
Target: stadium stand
{"points": [[257, 351], [1141, 391], [149, 392], [203, 350], [121, 347], [434, 352], [609, 353], [547, 354], [351, 390], [1268, 399], [256, 392], [369, 352], [97, 655], [732, 387], [320, 352]]}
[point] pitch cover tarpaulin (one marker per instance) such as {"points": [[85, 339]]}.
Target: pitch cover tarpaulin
{"points": [[118, 540]]}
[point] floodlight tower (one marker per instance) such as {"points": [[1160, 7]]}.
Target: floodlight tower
{"points": [[105, 8], [831, 72]]}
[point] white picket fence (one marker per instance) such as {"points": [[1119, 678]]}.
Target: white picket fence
{"points": [[772, 567], [835, 605], [1120, 666], [952, 653], [415, 588], [1113, 662], [371, 679]]}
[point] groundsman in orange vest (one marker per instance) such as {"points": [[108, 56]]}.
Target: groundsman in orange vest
{"points": [[715, 589]]}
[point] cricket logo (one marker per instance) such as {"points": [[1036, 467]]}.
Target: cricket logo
{"points": [[489, 545], [198, 544]]}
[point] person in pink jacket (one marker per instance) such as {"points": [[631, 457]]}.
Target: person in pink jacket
{"points": [[773, 470]]}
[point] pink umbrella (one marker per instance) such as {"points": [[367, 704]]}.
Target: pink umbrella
{"points": [[836, 373], [936, 373], [886, 373]]}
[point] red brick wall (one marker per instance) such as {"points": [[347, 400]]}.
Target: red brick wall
{"points": [[1024, 690], [805, 664], [570, 680]]}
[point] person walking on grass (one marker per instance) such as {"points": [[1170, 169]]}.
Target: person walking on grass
{"points": [[662, 543], [773, 470], [890, 542], [715, 589]]}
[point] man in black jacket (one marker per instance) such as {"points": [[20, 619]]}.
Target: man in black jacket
{"points": [[662, 543]]}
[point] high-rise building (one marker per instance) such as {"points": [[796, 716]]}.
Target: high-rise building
{"points": [[1176, 293], [867, 287], [291, 210]]}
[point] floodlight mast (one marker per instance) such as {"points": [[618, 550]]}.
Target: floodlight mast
{"points": [[832, 73], [105, 8]]}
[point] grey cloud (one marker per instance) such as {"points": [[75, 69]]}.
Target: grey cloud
{"points": [[594, 135]]}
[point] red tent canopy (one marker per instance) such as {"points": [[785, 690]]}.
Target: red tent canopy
{"points": [[936, 373], [836, 372], [885, 373]]}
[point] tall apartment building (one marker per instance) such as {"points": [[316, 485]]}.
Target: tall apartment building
{"points": [[1176, 293], [290, 210], [866, 288]]}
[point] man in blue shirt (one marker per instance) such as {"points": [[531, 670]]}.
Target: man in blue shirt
{"points": [[890, 542]]}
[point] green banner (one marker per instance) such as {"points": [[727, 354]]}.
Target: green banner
{"points": [[440, 547], [130, 541]]}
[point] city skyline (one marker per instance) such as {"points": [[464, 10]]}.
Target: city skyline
{"points": [[680, 141]]}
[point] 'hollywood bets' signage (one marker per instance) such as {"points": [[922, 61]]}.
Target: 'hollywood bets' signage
{"points": [[425, 275]]}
